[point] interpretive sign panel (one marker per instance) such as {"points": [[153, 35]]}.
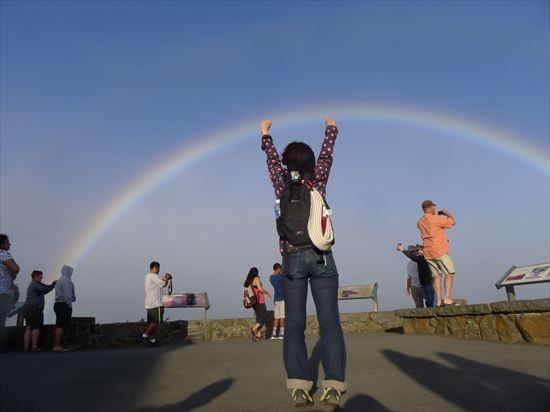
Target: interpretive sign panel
{"points": [[359, 292], [187, 300], [521, 275]]}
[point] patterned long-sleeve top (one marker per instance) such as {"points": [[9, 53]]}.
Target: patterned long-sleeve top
{"points": [[322, 169]]}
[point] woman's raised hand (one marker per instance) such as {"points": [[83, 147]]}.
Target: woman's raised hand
{"points": [[264, 126]]}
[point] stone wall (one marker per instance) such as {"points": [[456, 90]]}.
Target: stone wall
{"points": [[85, 333], [509, 322]]}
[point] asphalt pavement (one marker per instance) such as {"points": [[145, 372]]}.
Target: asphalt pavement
{"points": [[385, 372]]}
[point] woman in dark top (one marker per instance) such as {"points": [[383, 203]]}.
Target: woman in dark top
{"points": [[305, 266], [253, 279]]}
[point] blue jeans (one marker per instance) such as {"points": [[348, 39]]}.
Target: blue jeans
{"points": [[429, 296], [321, 272]]}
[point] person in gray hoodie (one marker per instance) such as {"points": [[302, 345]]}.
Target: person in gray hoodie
{"points": [[34, 310], [63, 308]]}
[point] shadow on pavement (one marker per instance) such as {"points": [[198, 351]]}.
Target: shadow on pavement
{"points": [[313, 364], [472, 385], [90, 378], [399, 330], [196, 400], [357, 403], [360, 403]]}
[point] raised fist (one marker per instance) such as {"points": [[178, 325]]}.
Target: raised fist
{"points": [[329, 121], [264, 126]]}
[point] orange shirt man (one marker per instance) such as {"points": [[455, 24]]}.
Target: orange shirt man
{"points": [[436, 248]]}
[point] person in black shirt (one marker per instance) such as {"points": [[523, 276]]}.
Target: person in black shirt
{"points": [[424, 273]]}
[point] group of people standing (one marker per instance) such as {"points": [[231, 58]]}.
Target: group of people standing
{"points": [[260, 310], [33, 308], [431, 260], [303, 266]]}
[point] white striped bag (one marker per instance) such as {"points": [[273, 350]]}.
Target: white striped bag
{"points": [[319, 225]]}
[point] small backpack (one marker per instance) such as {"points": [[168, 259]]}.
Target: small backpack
{"points": [[305, 217], [249, 299], [295, 205]]}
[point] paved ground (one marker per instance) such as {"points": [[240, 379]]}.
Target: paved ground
{"points": [[385, 372]]}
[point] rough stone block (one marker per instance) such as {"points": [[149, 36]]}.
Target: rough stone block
{"points": [[382, 321], [488, 328], [109, 329], [102, 342], [521, 306], [535, 327], [217, 335], [471, 328], [479, 309], [507, 330], [455, 325], [442, 327], [415, 313], [424, 326], [237, 333]]}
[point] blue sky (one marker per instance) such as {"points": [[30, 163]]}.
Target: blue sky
{"points": [[95, 93]]}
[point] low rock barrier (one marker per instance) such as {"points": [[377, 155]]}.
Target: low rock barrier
{"points": [[85, 333], [510, 322]]}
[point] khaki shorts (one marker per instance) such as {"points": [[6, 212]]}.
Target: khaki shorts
{"points": [[279, 311], [443, 264]]}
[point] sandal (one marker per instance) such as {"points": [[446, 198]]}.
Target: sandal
{"points": [[36, 350], [61, 350]]}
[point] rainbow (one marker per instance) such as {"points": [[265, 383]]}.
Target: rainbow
{"points": [[203, 146]]}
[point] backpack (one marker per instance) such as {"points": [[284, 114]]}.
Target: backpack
{"points": [[295, 204], [249, 299], [305, 217]]}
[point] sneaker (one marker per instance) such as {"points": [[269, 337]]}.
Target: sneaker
{"points": [[146, 342], [273, 337], [301, 397], [281, 337], [331, 396]]}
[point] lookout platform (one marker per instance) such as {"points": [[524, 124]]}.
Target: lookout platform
{"points": [[386, 372]]}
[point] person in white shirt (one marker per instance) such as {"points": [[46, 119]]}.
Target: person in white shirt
{"points": [[153, 304]]}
